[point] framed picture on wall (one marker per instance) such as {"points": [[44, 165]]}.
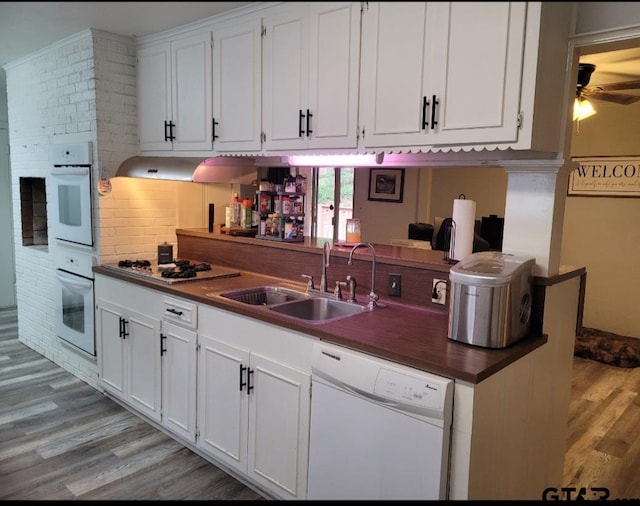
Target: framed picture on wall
{"points": [[386, 185]]}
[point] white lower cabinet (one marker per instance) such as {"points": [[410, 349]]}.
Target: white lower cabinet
{"points": [[237, 388], [253, 410], [179, 380], [129, 356]]}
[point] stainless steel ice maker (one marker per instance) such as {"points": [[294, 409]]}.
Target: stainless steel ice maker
{"points": [[490, 303]]}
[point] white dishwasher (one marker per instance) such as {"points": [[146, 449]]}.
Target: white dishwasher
{"points": [[379, 430]]}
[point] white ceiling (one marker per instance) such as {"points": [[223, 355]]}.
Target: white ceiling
{"points": [[26, 27]]}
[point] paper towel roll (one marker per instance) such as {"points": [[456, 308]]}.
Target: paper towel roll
{"points": [[464, 219]]}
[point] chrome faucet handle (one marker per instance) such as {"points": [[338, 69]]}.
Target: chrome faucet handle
{"points": [[373, 300], [309, 278], [337, 292]]}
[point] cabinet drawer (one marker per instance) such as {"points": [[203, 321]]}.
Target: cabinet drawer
{"points": [[181, 312]]}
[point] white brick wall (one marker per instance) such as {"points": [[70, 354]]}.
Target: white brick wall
{"points": [[136, 216], [81, 89]]}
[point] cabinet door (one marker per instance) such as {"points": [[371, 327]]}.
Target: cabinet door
{"points": [[479, 84], [191, 92], [179, 380], [334, 68], [286, 74], [144, 378], [279, 411], [237, 86], [154, 96], [394, 60], [111, 356], [223, 401]]}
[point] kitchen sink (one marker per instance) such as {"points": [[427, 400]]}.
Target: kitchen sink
{"points": [[264, 295], [318, 309]]}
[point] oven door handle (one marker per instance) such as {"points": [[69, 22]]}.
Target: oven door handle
{"points": [[70, 171], [74, 281]]}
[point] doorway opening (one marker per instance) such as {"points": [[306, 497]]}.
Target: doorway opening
{"points": [[333, 201]]}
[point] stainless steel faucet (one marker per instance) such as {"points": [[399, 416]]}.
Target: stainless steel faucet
{"points": [[326, 253], [373, 297]]}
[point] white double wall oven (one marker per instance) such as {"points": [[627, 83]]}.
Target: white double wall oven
{"points": [[72, 226]]}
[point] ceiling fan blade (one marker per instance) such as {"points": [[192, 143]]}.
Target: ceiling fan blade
{"points": [[610, 97], [623, 85]]}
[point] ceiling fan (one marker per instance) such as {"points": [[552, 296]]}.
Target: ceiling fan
{"points": [[603, 91]]}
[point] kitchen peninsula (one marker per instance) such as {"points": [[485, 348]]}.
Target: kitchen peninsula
{"points": [[505, 401]]}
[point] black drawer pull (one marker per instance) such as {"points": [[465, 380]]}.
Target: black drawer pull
{"points": [[300, 118], [249, 376], [242, 382], [425, 104], [174, 311], [213, 129], [433, 113]]}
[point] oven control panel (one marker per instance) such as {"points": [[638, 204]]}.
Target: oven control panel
{"points": [[75, 262], [71, 154]]}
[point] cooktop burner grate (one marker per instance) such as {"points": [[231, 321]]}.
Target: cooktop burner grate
{"points": [[178, 271]]}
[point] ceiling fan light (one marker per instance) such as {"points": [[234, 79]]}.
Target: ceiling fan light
{"points": [[582, 109]]}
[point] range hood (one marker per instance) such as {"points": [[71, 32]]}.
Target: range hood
{"points": [[220, 169]]}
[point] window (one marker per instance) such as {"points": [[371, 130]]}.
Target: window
{"points": [[332, 201]]}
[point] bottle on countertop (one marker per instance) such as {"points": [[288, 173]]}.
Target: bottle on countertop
{"points": [[246, 216], [236, 211]]}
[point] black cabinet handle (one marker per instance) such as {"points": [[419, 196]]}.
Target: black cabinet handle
{"points": [[123, 328], [171, 125], [174, 311], [425, 104], [433, 113], [249, 385], [213, 129], [242, 382], [309, 123], [162, 338], [166, 135], [300, 118]]}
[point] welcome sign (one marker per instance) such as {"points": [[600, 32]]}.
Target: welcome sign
{"points": [[607, 176]]}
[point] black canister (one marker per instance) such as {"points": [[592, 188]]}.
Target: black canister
{"points": [[165, 253]]}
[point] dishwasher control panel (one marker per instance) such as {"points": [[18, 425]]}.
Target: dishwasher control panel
{"points": [[420, 392], [395, 386]]}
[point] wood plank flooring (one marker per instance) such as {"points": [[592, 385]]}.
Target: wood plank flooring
{"points": [[61, 439], [603, 444]]}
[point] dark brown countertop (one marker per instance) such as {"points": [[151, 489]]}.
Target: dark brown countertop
{"points": [[410, 335]]}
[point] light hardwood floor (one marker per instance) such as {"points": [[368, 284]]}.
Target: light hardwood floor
{"points": [[603, 444], [61, 439]]}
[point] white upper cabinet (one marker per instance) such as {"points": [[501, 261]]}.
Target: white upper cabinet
{"points": [[174, 94], [441, 72], [237, 86], [311, 71]]}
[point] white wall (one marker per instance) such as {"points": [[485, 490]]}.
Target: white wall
{"points": [[383, 221], [602, 233], [7, 271]]}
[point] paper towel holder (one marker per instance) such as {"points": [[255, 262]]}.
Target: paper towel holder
{"points": [[450, 233]]}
